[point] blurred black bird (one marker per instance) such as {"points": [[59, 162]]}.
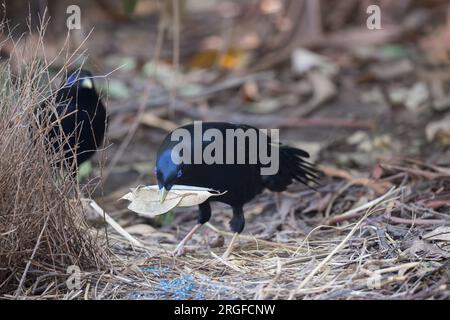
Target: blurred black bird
{"points": [[240, 182], [77, 128]]}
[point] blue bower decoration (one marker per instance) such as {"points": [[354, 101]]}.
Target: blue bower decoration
{"points": [[184, 287]]}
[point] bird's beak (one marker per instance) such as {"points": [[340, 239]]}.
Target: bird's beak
{"points": [[162, 194]]}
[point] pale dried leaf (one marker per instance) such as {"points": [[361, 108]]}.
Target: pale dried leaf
{"points": [[441, 233], [438, 128], [417, 98], [304, 60], [425, 249], [145, 200]]}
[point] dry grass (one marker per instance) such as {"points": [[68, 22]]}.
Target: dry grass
{"points": [[375, 244], [42, 226]]}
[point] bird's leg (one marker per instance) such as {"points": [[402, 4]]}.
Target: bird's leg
{"points": [[278, 201], [237, 224], [179, 251], [227, 253], [203, 217]]}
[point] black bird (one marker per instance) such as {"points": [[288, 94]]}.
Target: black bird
{"points": [[240, 182], [78, 126]]}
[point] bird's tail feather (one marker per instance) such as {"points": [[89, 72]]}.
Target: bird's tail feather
{"points": [[292, 167]]}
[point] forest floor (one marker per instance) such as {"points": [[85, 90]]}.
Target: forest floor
{"points": [[374, 117]]}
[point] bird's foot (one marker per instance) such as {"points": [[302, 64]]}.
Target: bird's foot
{"points": [[180, 250], [229, 250]]}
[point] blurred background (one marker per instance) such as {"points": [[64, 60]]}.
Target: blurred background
{"points": [[349, 94]]}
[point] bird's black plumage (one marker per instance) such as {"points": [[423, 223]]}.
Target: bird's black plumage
{"points": [[78, 126], [240, 182]]}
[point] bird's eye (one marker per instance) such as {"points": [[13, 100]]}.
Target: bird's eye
{"points": [[72, 79], [179, 173]]}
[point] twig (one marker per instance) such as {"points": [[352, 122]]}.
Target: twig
{"points": [[423, 222], [417, 172], [227, 263], [351, 213], [404, 266], [27, 267], [114, 224], [175, 54], [141, 109], [344, 241], [250, 238], [272, 121]]}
